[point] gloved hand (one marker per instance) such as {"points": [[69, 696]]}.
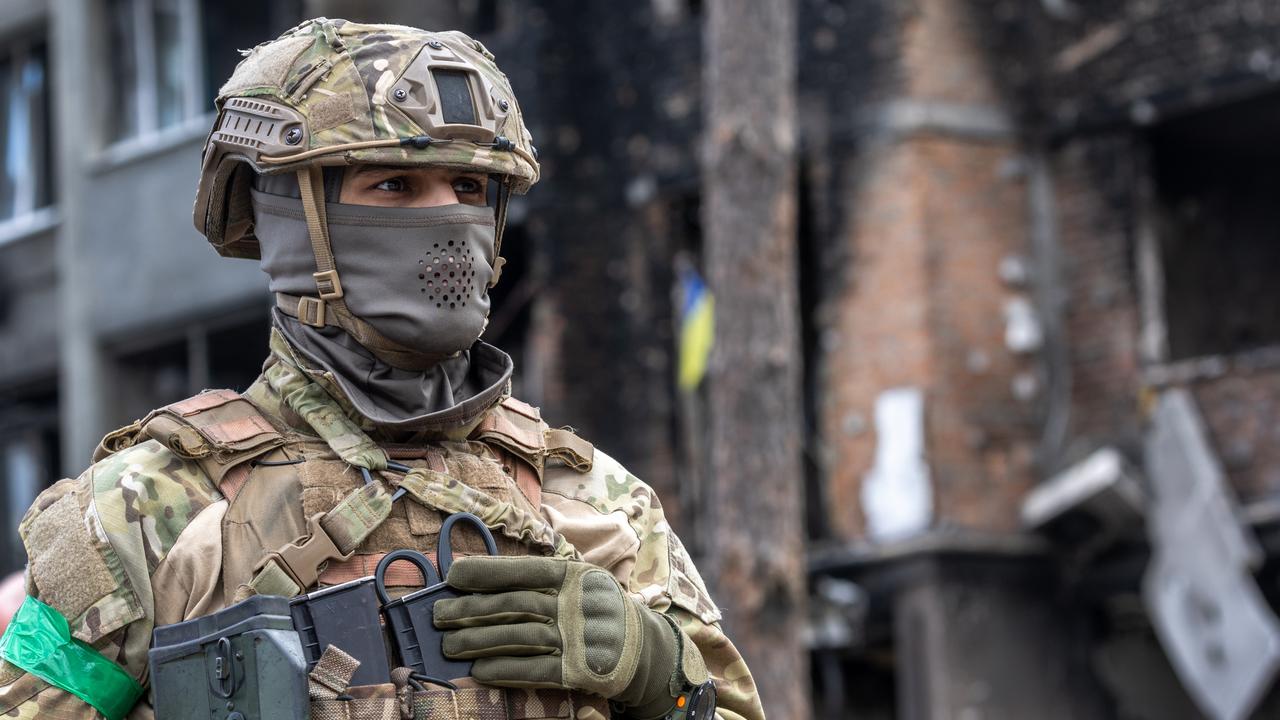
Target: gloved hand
{"points": [[555, 623]]}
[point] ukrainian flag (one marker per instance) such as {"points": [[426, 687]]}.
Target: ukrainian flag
{"points": [[697, 330]]}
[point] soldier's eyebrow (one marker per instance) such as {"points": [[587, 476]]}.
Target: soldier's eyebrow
{"points": [[379, 169]]}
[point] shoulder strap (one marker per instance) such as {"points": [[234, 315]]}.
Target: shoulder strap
{"points": [[564, 445], [218, 429], [517, 427], [117, 440]]}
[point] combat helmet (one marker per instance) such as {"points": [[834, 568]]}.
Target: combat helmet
{"points": [[333, 92]]}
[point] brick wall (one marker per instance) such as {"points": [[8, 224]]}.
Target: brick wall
{"points": [[1242, 411], [980, 434], [931, 199], [1094, 180]]}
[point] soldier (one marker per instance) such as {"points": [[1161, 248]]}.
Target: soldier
{"points": [[370, 167]]}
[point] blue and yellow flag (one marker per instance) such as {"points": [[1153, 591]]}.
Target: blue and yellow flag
{"points": [[697, 330]]}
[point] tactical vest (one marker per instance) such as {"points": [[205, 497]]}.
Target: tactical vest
{"points": [[291, 498]]}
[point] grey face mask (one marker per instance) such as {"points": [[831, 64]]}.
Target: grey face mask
{"points": [[420, 276]]}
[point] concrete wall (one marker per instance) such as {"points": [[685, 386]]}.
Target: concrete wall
{"points": [[134, 268], [984, 639], [151, 267], [21, 15]]}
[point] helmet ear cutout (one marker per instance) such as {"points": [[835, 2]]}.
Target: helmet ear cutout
{"points": [[239, 210], [223, 211]]}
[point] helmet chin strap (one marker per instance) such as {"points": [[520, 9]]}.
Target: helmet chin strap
{"points": [[500, 217], [329, 308]]}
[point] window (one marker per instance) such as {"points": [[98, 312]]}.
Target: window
{"points": [[167, 57], [154, 55], [1218, 225], [26, 157]]}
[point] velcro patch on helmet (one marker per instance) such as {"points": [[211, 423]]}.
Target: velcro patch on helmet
{"points": [[267, 65], [331, 111]]}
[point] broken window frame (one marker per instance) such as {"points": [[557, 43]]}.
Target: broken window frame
{"points": [[1153, 338], [1159, 367]]}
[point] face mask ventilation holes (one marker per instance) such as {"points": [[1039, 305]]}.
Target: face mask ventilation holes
{"points": [[447, 275]]}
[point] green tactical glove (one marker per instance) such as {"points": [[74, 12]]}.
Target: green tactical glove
{"points": [[555, 623]]}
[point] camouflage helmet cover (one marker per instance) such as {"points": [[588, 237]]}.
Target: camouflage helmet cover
{"points": [[333, 92]]}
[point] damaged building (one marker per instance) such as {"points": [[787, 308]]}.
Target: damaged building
{"points": [[1037, 250], [1057, 246]]}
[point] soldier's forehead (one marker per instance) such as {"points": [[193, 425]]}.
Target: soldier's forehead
{"points": [[380, 168]]}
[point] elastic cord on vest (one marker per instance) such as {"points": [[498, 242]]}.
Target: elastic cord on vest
{"points": [[39, 641]]}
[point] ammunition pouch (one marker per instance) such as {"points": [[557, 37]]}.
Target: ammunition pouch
{"points": [[418, 643], [260, 659], [343, 616], [241, 663]]}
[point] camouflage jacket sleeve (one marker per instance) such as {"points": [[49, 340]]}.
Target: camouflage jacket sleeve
{"points": [[615, 520], [94, 546]]}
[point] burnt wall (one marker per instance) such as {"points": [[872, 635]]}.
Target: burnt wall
{"points": [[1144, 59], [611, 92], [1154, 108]]}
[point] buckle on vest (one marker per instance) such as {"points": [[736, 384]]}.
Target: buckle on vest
{"points": [[302, 558], [328, 284], [311, 311]]}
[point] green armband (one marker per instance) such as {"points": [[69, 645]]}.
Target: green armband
{"points": [[39, 641]]}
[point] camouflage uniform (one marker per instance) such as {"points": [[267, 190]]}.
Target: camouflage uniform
{"points": [[184, 512], [138, 540]]}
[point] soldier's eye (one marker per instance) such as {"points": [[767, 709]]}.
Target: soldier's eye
{"points": [[394, 185], [468, 186]]}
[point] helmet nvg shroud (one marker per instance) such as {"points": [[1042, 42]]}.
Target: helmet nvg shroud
{"points": [[332, 92]]}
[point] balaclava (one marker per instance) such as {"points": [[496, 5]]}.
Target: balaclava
{"points": [[420, 276]]}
